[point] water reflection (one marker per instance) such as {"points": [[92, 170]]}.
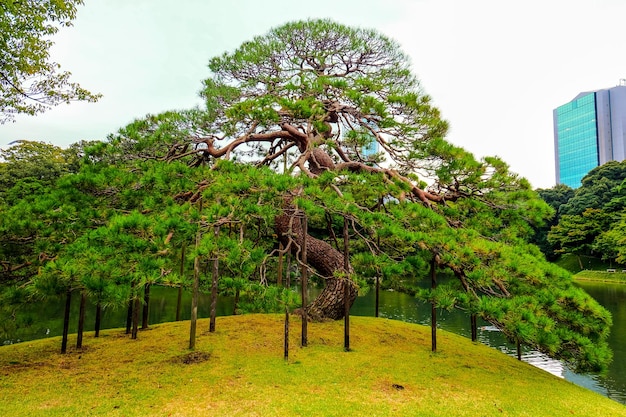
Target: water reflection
{"points": [[40, 320], [613, 383]]}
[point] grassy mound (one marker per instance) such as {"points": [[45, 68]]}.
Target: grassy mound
{"points": [[239, 371]]}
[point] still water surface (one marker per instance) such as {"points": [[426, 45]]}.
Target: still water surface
{"points": [[46, 321]]}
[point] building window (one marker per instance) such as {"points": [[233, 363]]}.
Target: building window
{"points": [[577, 139]]}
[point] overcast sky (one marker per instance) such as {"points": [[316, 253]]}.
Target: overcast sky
{"points": [[495, 68]]}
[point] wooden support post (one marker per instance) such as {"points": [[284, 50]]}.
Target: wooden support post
{"points": [[129, 312], [214, 282], [195, 290], [377, 295], [377, 283], [98, 319], [146, 306], [179, 299], [305, 275], [81, 320], [194, 301], [474, 327], [433, 311], [288, 272], [135, 329], [279, 272], [286, 333], [346, 286], [66, 320]]}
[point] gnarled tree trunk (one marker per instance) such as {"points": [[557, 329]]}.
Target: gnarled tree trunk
{"points": [[327, 260]]}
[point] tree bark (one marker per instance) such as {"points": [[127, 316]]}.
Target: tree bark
{"points": [[327, 260]]}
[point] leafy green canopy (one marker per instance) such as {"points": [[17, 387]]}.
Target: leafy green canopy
{"points": [[556, 197], [286, 119], [591, 221], [109, 230], [27, 166], [306, 99], [29, 82], [33, 204]]}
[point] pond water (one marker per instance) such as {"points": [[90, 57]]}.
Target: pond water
{"points": [[46, 320]]}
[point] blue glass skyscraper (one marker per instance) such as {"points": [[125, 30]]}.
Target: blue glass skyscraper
{"points": [[589, 131]]}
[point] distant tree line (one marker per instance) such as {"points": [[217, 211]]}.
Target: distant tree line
{"points": [[589, 221]]}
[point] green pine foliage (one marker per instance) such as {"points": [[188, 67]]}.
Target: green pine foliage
{"points": [[284, 119]]}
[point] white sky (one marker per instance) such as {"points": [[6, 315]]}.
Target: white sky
{"points": [[495, 68]]}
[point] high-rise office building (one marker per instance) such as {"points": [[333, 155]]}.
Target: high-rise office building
{"points": [[589, 131]]}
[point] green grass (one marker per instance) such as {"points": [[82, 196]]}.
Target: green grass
{"points": [[594, 269], [239, 371], [589, 263], [604, 276]]}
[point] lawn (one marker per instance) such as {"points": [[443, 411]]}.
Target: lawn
{"points": [[240, 371], [618, 276]]}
